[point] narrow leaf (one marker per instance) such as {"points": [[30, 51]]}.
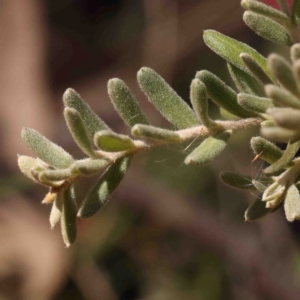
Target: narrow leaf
{"points": [[286, 117], [256, 211], [209, 149], [266, 150], [112, 142], [68, 216], [198, 95], [56, 175], [236, 180], [267, 28], [103, 189], [282, 70], [78, 130], [245, 82], [90, 119], [44, 149], [282, 97], [254, 103], [125, 103], [255, 69], [151, 132], [90, 167], [279, 134], [266, 11], [56, 210], [222, 94], [285, 159], [27, 163], [166, 100], [230, 49]]}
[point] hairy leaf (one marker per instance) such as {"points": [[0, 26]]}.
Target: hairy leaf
{"points": [[267, 28], [256, 211], [166, 100], [125, 103], [286, 117], [254, 103], [237, 181], [292, 204], [44, 149]]}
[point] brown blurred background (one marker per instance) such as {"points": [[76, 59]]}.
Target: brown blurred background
{"points": [[170, 231]]}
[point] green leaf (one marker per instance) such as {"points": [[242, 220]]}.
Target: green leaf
{"points": [[284, 160], [198, 95], [295, 50], [266, 11], [78, 131], [286, 117], [49, 176], [68, 216], [90, 167], [256, 211], [166, 100], [282, 70], [279, 134], [266, 150], [125, 103], [267, 28], [222, 94], [209, 149], [103, 189], [27, 164], [227, 115], [237, 181], [296, 12], [113, 142], [56, 210], [292, 204], [151, 132], [91, 121], [245, 82], [44, 149], [282, 97], [256, 70], [230, 49], [254, 103]]}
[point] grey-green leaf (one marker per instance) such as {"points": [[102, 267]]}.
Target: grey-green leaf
{"points": [[166, 100], [113, 142], [198, 95], [125, 103], [44, 149], [230, 49], [103, 189], [286, 117], [209, 149], [68, 216], [292, 204], [78, 130], [266, 150], [222, 94], [282, 97], [266, 11], [236, 181], [90, 167], [295, 50], [267, 28], [256, 69], [245, 82], [254, 103], [90, 119], [284, 160], [27, 163], [282, 70], [151, 132]]}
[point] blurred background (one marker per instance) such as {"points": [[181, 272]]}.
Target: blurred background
{"points": [[170, 231]]}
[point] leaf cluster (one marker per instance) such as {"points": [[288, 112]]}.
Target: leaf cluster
{"points": [[267, 94]]}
